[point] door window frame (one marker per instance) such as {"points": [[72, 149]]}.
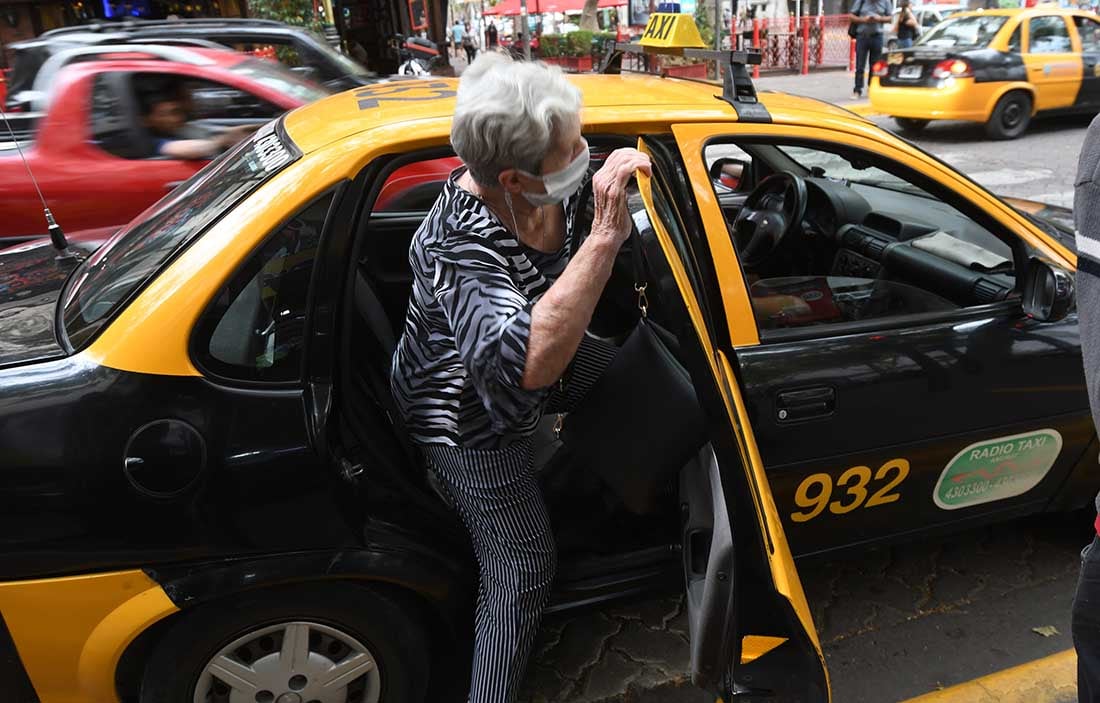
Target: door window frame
{"points": [[1074, 45], [929, 173], [206, 322]]}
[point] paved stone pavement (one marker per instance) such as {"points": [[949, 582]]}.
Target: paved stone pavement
{"points": [[894, 622]]}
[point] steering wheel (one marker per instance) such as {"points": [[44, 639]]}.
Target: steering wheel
{"points": [[773, 210]]}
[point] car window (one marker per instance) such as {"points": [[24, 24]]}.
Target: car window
{"points": [[210, 100], [108, 279], [255, 328], [730, 168], [1015, 42], [930, 19], [971, 30], [280, 79], [1089, 30], [1047, 35], [873, 243], [112, 127]]}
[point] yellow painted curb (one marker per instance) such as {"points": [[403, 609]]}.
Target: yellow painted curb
{"points": [[863, 109], [1052, 679]]}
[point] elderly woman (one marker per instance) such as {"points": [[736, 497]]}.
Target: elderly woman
{"points": [[498, 310]]}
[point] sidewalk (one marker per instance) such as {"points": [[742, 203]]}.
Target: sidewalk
{"points": [[831, 85]]}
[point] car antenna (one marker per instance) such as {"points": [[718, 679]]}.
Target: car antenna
{"points": [[57, 236]]}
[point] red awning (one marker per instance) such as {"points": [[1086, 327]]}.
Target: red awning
{"points": [[537, 7]]}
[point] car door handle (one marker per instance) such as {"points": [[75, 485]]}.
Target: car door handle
{"points": [[805, 403], [172, 184]]}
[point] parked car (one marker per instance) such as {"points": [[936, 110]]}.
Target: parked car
{"points": [[85, 143], [301, 50]]}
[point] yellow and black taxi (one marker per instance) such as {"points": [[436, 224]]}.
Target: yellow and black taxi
{"points": [[999, 67], [205, 498]]}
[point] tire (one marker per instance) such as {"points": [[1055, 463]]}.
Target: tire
{"points": [[380, 644], [910, 125], [1010, 117]]}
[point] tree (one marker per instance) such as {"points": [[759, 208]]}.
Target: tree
{"points": [[296, 12], [588, 16]]}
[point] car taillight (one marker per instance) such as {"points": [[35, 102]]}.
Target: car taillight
{"points": [[952, 68], [879, 69]]}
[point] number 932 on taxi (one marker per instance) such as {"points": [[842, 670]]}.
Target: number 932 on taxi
{"points": [[205, 497]]}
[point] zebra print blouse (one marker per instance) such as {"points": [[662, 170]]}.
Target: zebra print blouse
{"points": [[458, 366]]}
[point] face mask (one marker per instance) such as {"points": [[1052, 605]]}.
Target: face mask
{"points": [[559, 185]]}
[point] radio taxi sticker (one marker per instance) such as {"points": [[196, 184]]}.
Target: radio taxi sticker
{"points": [[996, 469]]}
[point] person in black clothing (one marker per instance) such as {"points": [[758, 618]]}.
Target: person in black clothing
{"points": [[907, 26], [491, 35]]}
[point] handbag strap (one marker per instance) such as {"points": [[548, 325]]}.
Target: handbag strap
{"points": [[640, 282]]}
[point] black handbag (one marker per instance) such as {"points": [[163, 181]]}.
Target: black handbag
{"points": [[640, 422], [853, 28]]}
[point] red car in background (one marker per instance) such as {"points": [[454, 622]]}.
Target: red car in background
{"points": [[85, 143]]}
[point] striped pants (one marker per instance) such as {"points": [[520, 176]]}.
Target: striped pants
{"points": [[496, 492]]}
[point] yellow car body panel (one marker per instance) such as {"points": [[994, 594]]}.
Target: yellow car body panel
{"points": [[71, 632], [962, 100]]}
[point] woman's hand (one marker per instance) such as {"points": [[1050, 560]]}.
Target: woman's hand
{"points": [[612, 220]]}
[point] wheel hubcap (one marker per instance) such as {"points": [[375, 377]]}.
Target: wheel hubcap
{"points": [[294, 662], [1013, 113]]}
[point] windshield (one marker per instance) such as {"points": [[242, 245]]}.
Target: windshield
{"points": [[971, 30], [830, 165], [111, 276], [276, 77]]}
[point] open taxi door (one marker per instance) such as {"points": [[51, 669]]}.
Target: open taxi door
{"points": [[752, 635]]}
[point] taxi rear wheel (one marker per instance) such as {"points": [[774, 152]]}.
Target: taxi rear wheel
{"points": [[908, 124], [333, 643], [1010, 117]]}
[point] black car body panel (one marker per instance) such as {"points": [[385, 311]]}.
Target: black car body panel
{"points": [[989, 65], [31, 277]]}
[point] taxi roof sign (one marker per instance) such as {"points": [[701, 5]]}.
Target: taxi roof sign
{"points": [[671, 30]]}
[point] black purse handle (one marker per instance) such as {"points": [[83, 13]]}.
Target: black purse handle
{"points": [[640, 283]]}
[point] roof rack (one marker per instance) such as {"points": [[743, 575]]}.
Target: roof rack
{"points": [[737, 87], [130, 24]]}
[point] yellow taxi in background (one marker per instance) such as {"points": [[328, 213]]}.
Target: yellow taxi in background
{"points": [[1000, 67]]}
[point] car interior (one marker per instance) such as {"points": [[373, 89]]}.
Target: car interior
{"points": [[116, 117], [828, 237], [581, 504], [823, 238]]}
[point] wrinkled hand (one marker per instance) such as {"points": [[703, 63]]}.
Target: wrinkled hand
{"points": [[612, 219]]}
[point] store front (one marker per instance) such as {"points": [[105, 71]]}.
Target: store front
{"points": [[367, 26]]}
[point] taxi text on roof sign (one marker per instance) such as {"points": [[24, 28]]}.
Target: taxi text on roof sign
{"points": [[667, 30]]}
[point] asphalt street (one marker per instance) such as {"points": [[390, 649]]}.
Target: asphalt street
{"points": [[895, 622]]}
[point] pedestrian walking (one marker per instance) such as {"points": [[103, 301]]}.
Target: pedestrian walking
{"points": [[457, 32], [1085, 622], [469, 44], [869, 16], [498, 311], [491, 35], [906, 28]]}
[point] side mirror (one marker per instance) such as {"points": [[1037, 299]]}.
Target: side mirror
{"points": [[729, 174], [1048, 291]]}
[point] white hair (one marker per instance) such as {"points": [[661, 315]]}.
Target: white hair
{"points": [[508, 114]]}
